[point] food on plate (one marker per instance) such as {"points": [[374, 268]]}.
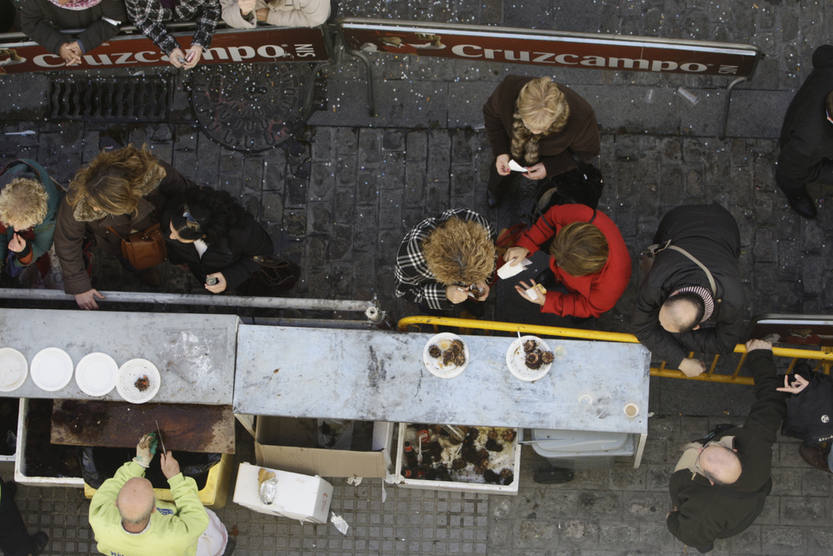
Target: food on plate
{"points": [[535, 355], [142, 383], [533, 359], [434, 351], [547, 357], [451, 353], [530, 345]]}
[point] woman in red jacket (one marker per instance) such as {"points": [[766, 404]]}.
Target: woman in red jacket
{"points": [[588, 258]]}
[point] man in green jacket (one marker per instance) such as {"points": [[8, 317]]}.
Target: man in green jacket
{"points": [[719, 486], [127, 520]]}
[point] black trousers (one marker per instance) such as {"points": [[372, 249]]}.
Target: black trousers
{"points": [[792, 190], [14, 540]]}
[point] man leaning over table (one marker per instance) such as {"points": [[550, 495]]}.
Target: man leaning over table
{"points": [[128, 520]]}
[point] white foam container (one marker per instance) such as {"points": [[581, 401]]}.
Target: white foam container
{"points": [[457, 486], [20, 470], [302, 497], [11, 457]]}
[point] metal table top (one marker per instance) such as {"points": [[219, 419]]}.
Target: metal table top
{"points": [[194, 353], [376, 375]]}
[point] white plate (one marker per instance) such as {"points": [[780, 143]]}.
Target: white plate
{"points": [[51, 369], [13, 369], [435, 364], [95, 374], [516, 360], [130, 372]]}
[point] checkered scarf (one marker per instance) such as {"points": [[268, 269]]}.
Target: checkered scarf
{"points": [[414, 281], [702, 293]]}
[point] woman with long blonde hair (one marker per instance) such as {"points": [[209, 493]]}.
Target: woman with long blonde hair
{"points": [[539, 124]]}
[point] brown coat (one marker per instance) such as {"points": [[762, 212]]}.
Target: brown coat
{"points": [[70, 233], [580, 136]]}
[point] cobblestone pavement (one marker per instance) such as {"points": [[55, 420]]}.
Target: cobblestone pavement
{"points": [[340, 203]]}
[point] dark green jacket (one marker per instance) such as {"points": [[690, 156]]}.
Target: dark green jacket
{"points": [[46, 229], [706, 512], [43, 22]]}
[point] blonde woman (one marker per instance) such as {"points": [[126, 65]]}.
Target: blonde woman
{"points": [[29, 201], [540, 125], [245, 14], [122, 190], [446, 260]]}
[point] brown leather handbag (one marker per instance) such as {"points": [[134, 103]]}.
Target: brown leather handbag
{"points": [[145, 249]]}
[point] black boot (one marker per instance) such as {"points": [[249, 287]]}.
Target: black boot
{"points": [[815, 455]]}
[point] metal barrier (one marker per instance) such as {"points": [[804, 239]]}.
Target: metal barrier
{"points": [[823, 356]]}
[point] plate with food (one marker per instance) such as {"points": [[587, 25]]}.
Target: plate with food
{"points": [[445, 355], [51, 369], [13, 369], [96, 374], [138, 381], [529, 358]]}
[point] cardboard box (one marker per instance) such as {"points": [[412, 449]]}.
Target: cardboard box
{"points": [[285, 443], [458, 486], [300, 497]]}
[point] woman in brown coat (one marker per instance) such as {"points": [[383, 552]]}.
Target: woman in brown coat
{"points": [[540, 125], [124, 190]]}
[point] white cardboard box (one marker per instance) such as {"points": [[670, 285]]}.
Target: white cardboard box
{"points": [[458, 486], [273, 448], [300, 497]]}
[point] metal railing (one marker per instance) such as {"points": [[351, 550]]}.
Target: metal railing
{"points": [[822, 356]]}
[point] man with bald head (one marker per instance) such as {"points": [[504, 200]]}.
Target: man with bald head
{"points": [[720, 483], [692, 298], [128, 520]]}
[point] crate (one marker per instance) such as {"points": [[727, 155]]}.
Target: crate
{"points": [[457, 486], [20, 470]]}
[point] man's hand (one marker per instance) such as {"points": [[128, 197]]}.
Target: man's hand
{"points": [[143, 455], [692, 367], [221, 284], [754, 344], [246, 6], [169, 465], [799, 383], [537, 172], [502, 165], [456, 294], [177, 58], [541, 292], [86, 300], [71, 53], [192, 56], [514, 255], [17, 243], [484, 290]]}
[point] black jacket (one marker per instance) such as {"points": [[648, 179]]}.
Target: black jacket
{"points": [[711, 234], [43, 21], [706, 512], [232, 256], [806, 135], [810, 413]]}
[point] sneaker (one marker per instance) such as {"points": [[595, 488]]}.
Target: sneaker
{"points": [[803, 205], [39, 542], [815, 455]]}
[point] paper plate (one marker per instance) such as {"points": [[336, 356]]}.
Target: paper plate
{"points": [[51, 369], [13, 369], [96, 373], [516, 360], [131, 372], [435, 364]]}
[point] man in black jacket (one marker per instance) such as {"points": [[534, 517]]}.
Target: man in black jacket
{"points": [[677, 308], [719, 487], [807, 136]]}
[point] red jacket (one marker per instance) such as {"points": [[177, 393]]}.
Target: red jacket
{"points": [[591, 295]]}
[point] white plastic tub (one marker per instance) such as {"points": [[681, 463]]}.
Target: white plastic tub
{"points": [[580, 449], [11, 457], [457, 486], [20, 471]]}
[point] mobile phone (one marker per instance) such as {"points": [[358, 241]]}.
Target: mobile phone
{"points": [[211, 281]]}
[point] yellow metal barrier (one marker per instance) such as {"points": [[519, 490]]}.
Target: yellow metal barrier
{"points": [[823, 356]]}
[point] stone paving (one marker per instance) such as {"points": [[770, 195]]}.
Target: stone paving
{"points": [[340, 202]]}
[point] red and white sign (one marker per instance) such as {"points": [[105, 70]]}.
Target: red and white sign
{"points": [[268, 44], [550, 48]]}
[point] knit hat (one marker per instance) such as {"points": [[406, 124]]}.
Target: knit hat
{"points": [[701, 292], [76, 5]]}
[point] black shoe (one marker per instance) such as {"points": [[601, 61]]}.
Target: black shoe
{"points": [[492, 200], [803, 205], [552, 475], [815, 455], [39, 542]]}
